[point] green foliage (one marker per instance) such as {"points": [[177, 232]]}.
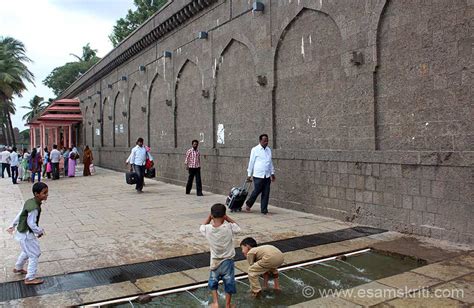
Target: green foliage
{"points": [[124, 26], [36, 106], [62, 77], [13, 77]]}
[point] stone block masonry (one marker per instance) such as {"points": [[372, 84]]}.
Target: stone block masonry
{"points": [[368, 104]]}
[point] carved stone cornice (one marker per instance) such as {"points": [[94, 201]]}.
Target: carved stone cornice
{"points": [[174, 17]]}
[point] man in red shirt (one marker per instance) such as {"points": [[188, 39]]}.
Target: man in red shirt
{"points": [[193, 165]]}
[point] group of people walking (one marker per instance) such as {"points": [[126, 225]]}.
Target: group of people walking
{"points": [[27, 166], [260, 169]]}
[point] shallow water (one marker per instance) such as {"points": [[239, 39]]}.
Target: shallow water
{"points": [[330, 275]]}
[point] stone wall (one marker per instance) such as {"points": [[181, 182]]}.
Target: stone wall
{"points": [[368, 104]]}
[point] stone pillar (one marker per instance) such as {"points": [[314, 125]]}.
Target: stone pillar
{"points": [[69, 130]]}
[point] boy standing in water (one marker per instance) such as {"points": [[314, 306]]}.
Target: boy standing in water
{"points": [[264, 260], [26, 223], [220, 234]]}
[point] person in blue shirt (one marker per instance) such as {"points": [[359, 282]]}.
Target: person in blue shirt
{"points": [[261, 171]]}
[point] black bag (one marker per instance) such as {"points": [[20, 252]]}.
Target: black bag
{"points": [[131, 178], [150, 173], [237, 196]]}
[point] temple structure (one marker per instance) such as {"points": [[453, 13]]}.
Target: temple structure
{"points": [[58, 124]]}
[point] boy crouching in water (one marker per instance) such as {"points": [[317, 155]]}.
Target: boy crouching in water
{"points": [[26, 223], [219, 234], [264, 260]]}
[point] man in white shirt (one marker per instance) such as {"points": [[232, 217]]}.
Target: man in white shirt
{"points": [[5, 162], [55, 156], [261, 170], [14, 164], [137, 159]]}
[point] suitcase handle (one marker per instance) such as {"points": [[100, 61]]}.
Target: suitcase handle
{"points": [[246, 185]]}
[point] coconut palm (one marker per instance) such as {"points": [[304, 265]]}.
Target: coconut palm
{"points": [[6, 122], [13, 75], [36, 106]]}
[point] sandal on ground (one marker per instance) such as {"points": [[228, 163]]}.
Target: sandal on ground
{"points": [[20, 271], [34, 281]]}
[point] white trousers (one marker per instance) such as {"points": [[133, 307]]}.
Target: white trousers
{"points": [[30, 250]]}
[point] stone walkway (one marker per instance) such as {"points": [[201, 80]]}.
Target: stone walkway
{"points": [[99, 221]]}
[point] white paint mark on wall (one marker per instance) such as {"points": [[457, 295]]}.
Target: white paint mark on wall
{"points": [[220, 134], [310, 39], [164, 68], [298, 2], [311, 121], [320, 4], [121, 128], [201, 136], [302, 46], [163, 133], [214, 69], [97, 131]]}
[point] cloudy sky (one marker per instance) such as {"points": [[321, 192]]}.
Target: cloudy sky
{"points": [[52, 29]]}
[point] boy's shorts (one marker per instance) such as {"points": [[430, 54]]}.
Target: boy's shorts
{"points": [[225, 271]]}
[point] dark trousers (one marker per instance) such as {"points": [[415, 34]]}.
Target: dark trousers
{"points": [[66, 162], [55, 171], [14, 174], [140, 171], [33, 176], [194, 172], [260, 186], [5, 166]]}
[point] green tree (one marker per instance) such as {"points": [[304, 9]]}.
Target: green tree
{"points": [[36, 106], [124, 26], [63, 76], [13, 77]]}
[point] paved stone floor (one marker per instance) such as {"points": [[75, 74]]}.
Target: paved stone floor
{"points": [[99, 221]]}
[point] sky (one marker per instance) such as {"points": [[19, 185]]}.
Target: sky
{"points": [[53, 29]]}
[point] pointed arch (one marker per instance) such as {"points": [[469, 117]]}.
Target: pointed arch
{"points": [[93, 120], [160, 114], [129, 113], [189, 104], [312, 88], [106, 121], [115, 118], [230, 107], [87, 123]]}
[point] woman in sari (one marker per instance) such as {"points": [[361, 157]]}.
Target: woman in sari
{"points": [[87, 160], [35, 163], [71, 163]]}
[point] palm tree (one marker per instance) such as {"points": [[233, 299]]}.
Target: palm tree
{"points": [[13, 75], [36, 106], [6, 121], [87, 54]]}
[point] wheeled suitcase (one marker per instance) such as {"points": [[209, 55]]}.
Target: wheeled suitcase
{"points": [[150, 173], [131, 177], [237, 196]]}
